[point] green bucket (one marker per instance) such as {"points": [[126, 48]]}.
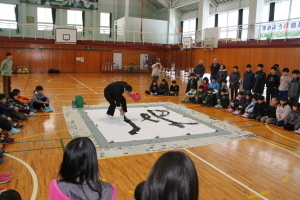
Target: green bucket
{"points": [[79, 101]]}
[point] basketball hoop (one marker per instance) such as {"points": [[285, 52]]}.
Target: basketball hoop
{"points": [[182, 47], [66, 40]]}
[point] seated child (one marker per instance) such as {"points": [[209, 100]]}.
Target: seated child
{"points": [[200, 94], [282, 111], [23, 108], [40, 101], [292, 122], [241, 108], [223, 99], [190, 95], [205, 84], [210, 98], [214, 85], [9, 111], [7, 124], [259, 109], [250, 107], [163, 88], [25, 100], [153, 88], [174, 89], [239, 100], [191, 83], [224, 85], [270, 115]]}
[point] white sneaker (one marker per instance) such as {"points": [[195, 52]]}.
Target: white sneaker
{"points": [[298, 131]]}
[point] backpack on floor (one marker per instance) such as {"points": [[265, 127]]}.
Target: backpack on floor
{"points": [[51, 71]]}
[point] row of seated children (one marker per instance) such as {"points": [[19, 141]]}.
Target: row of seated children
{"points": [[278, 112], [163, 88]]}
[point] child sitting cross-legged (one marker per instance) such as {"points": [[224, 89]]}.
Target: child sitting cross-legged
{"points": [[259, 109], [223, 99], [205, 84], [210, 98], [250, 107], [200, 94], [25, 100], [214, 85], [270, 115], [242, 106], [174, 89], [23, 108], [10, 111], [163, 87], [282, 111], [292, 122], [190, 95], [40, 101], [239, 100], [153, 88]]}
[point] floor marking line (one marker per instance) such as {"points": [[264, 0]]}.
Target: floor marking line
{"points": [[278, 147], [262, 193], [33, 175], [34, 149], [281, 135], [279, 142], [44, 140], [83, 84], [27, 82], [287, 178], [251, 126], [62, 144], [41, 134], [227, 175]]}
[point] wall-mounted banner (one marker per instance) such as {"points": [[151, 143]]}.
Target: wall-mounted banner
{"points": [[87, 4], [280, 29]]}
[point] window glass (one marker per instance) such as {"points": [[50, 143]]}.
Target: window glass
{"points": [[233, 18], [282, 10], [7, 16], [295, 11], [222, 20], [44, 19], [211, 21], [266, 13], [75, 18], [104, 23], [245, 16]]}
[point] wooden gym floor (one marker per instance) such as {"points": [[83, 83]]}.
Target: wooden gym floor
{"points": [[265, 167]]}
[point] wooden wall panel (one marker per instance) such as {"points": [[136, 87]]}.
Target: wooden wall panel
{"points": [[130, 58], [65, 60]]}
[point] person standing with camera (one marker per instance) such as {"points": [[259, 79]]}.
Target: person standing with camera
{"points": [[156, 70]]}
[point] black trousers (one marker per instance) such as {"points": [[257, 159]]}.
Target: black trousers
{"points": [[38, 106], [13, 114], [113, 105], [5, 124], [271, 92], [233, 93], [290, 127]]}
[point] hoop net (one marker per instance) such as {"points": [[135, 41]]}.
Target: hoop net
{"points": [[66, 40]]}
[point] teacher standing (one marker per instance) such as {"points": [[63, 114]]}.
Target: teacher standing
{"points": [[114, 95], [6, 69]]}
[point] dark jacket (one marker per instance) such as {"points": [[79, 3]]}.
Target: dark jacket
{"points": [[221, 75], [245, 104], [259, 109], [293, 118], [163, 89], [191, 83], [273, 81], [239, 102], [248, 80], [224, 100], [174, 89], [294, 91], [210, 99], [259, 82], [271, 111], [5, 107], [114, 91], [214, 69], [153, 88], [234, 78], [199, 69], [16, 103]]}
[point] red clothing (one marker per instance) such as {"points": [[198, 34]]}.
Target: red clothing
{"points": [[205, 85], [24, 99]]}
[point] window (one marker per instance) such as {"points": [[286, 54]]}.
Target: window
{"points": [[233, 18], [7, 16], [75, 19], [105, 23], [245, 16], [211, 21], [282, 10], [222, 20], [44, 19], [189, 28], [226, 20], [266, 13], [295, 13]]}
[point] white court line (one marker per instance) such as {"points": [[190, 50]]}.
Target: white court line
{"points": [[33, 175], [83, 84], [277, 146], [228, 176], [281, 135]]}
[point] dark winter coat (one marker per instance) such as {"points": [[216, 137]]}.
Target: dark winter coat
{"points": [[222, 75], [271, 111], [199, 69], [210, 99], [293, 118], [259, 109], [234, 79], [248, 80], [273, 81], [259, 82], [214, 69], [153, 88], [174, 89], [224, 100], [239, 102], [294, 91], [191, 83], [5, 107], [163, 89]]}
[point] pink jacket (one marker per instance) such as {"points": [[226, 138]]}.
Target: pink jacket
{"points": [[56, 194], [282, 112]]}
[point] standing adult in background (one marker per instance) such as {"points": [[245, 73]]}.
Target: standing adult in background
{"points": [[214, 68], [114, 95], [156, 70], [6, 69], [199, 71]]}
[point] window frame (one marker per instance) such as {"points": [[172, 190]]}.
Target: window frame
{"points": [[11, 24], [79, 27], [105, 29], [44, 25]]}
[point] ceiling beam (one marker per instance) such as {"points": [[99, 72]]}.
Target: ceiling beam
{"points": [[213, 3], [184, 3]]}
